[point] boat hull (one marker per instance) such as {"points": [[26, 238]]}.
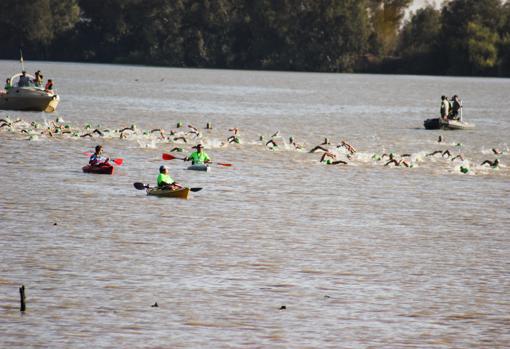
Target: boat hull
{"points": [[199, 167], [438, 124], [104, 169], [29, 99], [179, 193]]}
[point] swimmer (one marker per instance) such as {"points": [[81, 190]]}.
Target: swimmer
{"points": [[331, 159], [396, 162], [182, 138], [273, 143], [443, 153], [497, 151], [493, 164], [460, 157], [440, 139], [234, 138], [177, 149], [319, 147], [347, 146]]}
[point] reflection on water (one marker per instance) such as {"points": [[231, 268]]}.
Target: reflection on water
{"points": [[360, 255]]}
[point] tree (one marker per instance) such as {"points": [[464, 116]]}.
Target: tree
{"points": [[462, 21], [34, 24], [386, 17]]}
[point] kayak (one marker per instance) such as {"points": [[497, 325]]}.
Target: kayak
{"points": [[199, 167], [179, 193], [437, 124], [101, 169]]}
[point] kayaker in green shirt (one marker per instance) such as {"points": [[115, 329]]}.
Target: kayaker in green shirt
{"points": [[199, 156], [164, 180]]}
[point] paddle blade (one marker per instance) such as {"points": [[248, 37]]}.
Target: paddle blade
{"points": [[118, 161], [87, 153], [223, 164], [168, 156], [140, 186], [195, 189]]}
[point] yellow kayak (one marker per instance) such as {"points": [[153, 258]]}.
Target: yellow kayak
{"points": [[179, 193]]}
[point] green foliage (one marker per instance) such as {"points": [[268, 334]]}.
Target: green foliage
{"points": [[386, 17], [481, 47], [464, 37]]}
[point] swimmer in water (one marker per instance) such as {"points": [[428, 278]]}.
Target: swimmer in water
{"points": [[273, 143], [234, 138], [331, 160], [443, 153], [397, 162], [493, 164], [347, 146]]}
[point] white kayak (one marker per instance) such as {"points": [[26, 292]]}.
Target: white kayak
{"points": [[199, 167]]}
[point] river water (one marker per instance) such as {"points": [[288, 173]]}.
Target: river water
{"points": [[360, 255]]}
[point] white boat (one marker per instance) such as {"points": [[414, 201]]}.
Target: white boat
{"points": [[28, 97], [199, 167]]}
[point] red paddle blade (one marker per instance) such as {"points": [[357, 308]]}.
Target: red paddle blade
{"points": [[118, 161], [168, 156], [223, 164]]}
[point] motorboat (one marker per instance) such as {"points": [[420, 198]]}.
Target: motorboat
{"points": [[440, 124], [28, 97]]}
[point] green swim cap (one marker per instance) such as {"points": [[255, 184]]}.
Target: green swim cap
{"points": [[464, 169], [179, 124]]}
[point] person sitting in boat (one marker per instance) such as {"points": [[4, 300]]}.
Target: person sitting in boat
{"points": [[198, 157], [456, 106], [97, 159], [8, 84], [49, 86], [24, 80], [164, 180], [445, 108]]}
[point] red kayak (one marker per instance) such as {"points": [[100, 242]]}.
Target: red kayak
{"points": [[98, 169]]}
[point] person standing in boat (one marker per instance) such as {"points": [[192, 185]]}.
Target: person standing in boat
{"points": [[445, 108], [164, 180], [198, 157], [456, 107], [38, 79], [24, 80], [97, 159]]}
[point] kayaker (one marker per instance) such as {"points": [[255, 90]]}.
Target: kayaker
{"points": [[199, 156], [97, 159], [164, 180]]}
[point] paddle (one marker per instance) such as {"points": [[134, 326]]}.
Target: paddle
{"points": [[171, 157], [117, 161], [141, 186]]}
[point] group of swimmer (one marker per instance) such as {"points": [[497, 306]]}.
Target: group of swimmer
{"points": [[181, 134]]}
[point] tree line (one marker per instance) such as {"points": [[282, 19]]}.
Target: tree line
{"points": [[464, 37]]}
